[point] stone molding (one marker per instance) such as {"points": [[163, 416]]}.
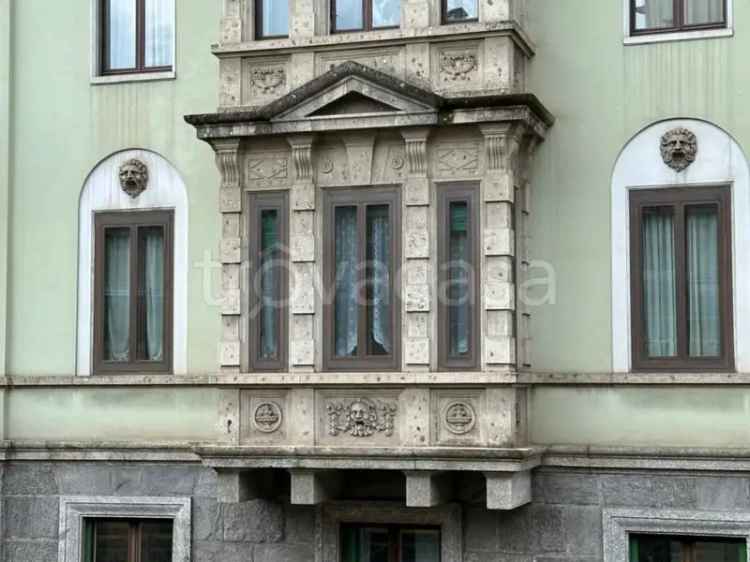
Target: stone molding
{"points": [[617, 524], [74, 509]]}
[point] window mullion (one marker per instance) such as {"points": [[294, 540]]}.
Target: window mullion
{"points": [[679, 13], [681, 274], [134, 294], [362, 280], [140, 34]]}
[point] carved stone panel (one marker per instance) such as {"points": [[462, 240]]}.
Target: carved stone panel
{"points": [[267, 169], [358, 418], [389, 162], [457, 416], [331, 165], [263, 415], [264, 79], [457, 66], [457, 160]]}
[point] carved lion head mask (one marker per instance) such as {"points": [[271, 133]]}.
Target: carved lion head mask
{"points": [[679, 148], [133, 177]]}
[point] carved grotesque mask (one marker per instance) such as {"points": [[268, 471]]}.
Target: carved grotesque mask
{"points": [[133, 177], [359, 413], [679, 148]]}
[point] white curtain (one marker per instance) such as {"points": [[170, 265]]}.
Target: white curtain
{"points": [[703, 282], [379, 250], [159, 32], [121, 27], [386, 13], [269, 284], [117, 295], [275, 17], [659, 289], [346, 281], [458, 267], [699, 12], [154, 293]]}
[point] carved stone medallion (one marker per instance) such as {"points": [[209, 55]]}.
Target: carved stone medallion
{"points": [[133, 177], [458, 66], [460, 417], [267, 417], [361, 417], [679, 147], [268, 80]]}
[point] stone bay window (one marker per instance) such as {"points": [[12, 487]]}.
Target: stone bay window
{"points": [[382, 351]]}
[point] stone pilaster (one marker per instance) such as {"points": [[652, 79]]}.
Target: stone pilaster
{"points": [[502, 144], [230, 206], [231, 21], [302, 253], [523, 259], [417, 253]]}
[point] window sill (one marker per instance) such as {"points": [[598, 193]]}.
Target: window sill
{"points": [[678, 36], [135, 77]]}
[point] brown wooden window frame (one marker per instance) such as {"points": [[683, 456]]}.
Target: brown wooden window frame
{"points": [[366, 19], [360, 198], [680, 25], [679, 198], [134, 220], [446, 194], [135, 535], [257, 203], [687, 544], [444, 14], [394, 535], [259, 35], [140, 43]]}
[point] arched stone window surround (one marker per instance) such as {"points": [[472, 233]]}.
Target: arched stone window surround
{"points": [[102, 192], [720, 161]]}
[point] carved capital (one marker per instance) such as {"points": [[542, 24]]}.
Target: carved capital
{"points": [[228, 162], [502, 144], [302, 155], [416, 150]]}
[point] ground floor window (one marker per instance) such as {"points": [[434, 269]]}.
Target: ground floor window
{"points": [[382, 543], [666, 548], [125, 540]]}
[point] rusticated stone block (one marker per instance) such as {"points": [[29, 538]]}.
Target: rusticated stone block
{"points": [[498, 242], [257, 521], [418, 325], [231, 250], [498, 269], [417, 351], [499, 351], [302, 353], [29, 479], [230, 276], [500, 323], [230, 328], [417, 298], [499, 215], [417, 191], [418, 244], [303, 288], [229, 354], [230, 200], [31, 517], [230, 225], [303, 197], [499, 296], [230, 302], [499, 187]]}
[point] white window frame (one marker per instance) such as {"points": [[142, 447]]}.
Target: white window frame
{"points": [[646, 38], [619, 524], [96, 60], [75, 509]]}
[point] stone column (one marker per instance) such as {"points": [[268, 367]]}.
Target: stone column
{"points": [[302, 275], [502, 143], [417, 286], [230, 206]]}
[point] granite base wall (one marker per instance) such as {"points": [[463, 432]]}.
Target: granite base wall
{"points": [[563, 524]]}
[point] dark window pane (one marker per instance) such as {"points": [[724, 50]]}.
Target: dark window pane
{"points": [[378, 280], [459, 275], [111, 541], [349, 15], [460, 10], [655, 14], [659, 282], [270, 281], [704, 315], [117, 294], [275, 17], [121, 25], [362, 544], [151, 297], [386, 13], [704, 12], [420, 546], [655, 548], [156, 541], [721, 551], [159, 33], [347, 268]]}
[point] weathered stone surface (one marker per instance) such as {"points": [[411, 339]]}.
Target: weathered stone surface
{"points": [[206, 520], [514, 530], [481, 529], [723, 493], [285, 552], [255, 521], [546, 526], [31, 517], [300, 524], [417, 351], [582, 531], [222, 552], [29, 479], [577, 488], [648, 490], [36, 551]]}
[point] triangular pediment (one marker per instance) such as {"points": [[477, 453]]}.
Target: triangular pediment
{"points": [[352, 90]]}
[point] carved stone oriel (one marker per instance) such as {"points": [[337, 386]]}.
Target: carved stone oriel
{"points": [[267, 417], [679, 148], [457, 66], [460, 418], [361, 417], [133, 177]]}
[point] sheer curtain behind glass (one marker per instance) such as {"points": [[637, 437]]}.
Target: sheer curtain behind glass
{"points": [[275, 17], [704, 326], [270, 281], [386, 13], [153, 289], [379, 283], [659, 287], [458, 289], [159, 33], [702, 12], [347, 259], [121, 27], [654, 14], [117, 294]]}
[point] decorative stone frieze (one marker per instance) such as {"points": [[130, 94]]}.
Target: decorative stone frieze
{"points": [[361, 417]]}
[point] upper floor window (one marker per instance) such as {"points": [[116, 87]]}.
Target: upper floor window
{"points": [[662, 16], [362, 316], [136, 36], [126, 540], [457, 11], [665, 548], [681, 278], [133, 291], [271, 19], [365, 15], [389, 543]]}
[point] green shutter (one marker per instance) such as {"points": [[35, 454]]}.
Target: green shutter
{"points": [[742, 552], [459, 217], [634, 549], [269, 229], [88, 540]]}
